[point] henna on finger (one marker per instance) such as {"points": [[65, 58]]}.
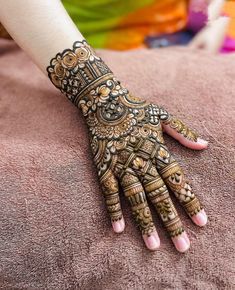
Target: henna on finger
{"points": [[126, 139], [109, 185], [174, 178], [181, 128], [158, 194], [135, 194]]}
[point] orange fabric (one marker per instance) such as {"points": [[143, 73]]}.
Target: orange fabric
{"points": [[160, 17], [229, 8]]}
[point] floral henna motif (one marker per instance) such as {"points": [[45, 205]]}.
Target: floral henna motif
{"points": [[134, 191], [126, 140], [76, 72], [157, 192], [182, 128], [174, 178]]}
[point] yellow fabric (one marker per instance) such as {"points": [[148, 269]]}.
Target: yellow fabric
{"points": [[123, 24], [166, 17]]}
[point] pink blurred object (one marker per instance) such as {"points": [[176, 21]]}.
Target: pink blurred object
{"points": [[196, 20], [197, 15], [229, 45]]}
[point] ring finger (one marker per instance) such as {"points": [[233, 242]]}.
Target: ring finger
{"points": [[174, 178], [158, 194]]}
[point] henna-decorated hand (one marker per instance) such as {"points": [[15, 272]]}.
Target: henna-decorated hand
{"points": [[128, 146]]}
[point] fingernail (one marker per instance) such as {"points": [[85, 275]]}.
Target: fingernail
{"points": [[181, 242], [200, 218], [152, 242], [118, 226], [202, 141]]}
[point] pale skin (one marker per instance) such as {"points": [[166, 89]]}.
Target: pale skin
{"points": [[43, 28]]}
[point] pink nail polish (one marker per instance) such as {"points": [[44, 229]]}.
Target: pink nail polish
{"points": [[202, 142], [152, 242], [181, 242], [118, 226], [200, 218]]}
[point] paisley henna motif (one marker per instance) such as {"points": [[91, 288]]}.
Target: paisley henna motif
{"points": [[126, 140]]}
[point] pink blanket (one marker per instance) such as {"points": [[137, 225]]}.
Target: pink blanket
{"points": [[54, 229]]}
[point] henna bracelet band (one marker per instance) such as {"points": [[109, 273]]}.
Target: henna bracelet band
{"points": [[78, 71]]}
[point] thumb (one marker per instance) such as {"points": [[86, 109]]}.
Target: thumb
{"points": [[182, 133]]}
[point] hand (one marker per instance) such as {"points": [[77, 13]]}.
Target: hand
{"points": [[128, 146]]}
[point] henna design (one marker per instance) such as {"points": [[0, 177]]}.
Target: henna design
{"points": [[134, 191], [182, 128], [157, 192], [174, 178], [76, 72], [126, 140], [110, 190]]}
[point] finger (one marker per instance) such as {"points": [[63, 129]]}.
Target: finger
{"points": [[158, 194], [135, 194], [109, 185], [181, 132], [174, 178]]}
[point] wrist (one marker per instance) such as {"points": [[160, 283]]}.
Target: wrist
{"points": [[78, 72], [105, 96]]}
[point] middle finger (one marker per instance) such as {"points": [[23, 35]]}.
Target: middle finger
{"points": [[158, 194]]}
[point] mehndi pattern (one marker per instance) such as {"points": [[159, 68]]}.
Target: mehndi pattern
{"points": [[126, 140]]}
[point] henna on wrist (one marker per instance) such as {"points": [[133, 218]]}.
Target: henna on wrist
{"points": [[77, 71], [126, 140]]}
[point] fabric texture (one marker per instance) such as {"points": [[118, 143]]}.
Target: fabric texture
{"points": [[55, 231], [121, 24]]}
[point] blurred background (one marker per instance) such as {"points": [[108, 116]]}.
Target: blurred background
{"points": [[128, 24]]}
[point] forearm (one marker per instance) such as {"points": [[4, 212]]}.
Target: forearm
{"points": [[41, 27], [125, 132], [46, 32]]}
